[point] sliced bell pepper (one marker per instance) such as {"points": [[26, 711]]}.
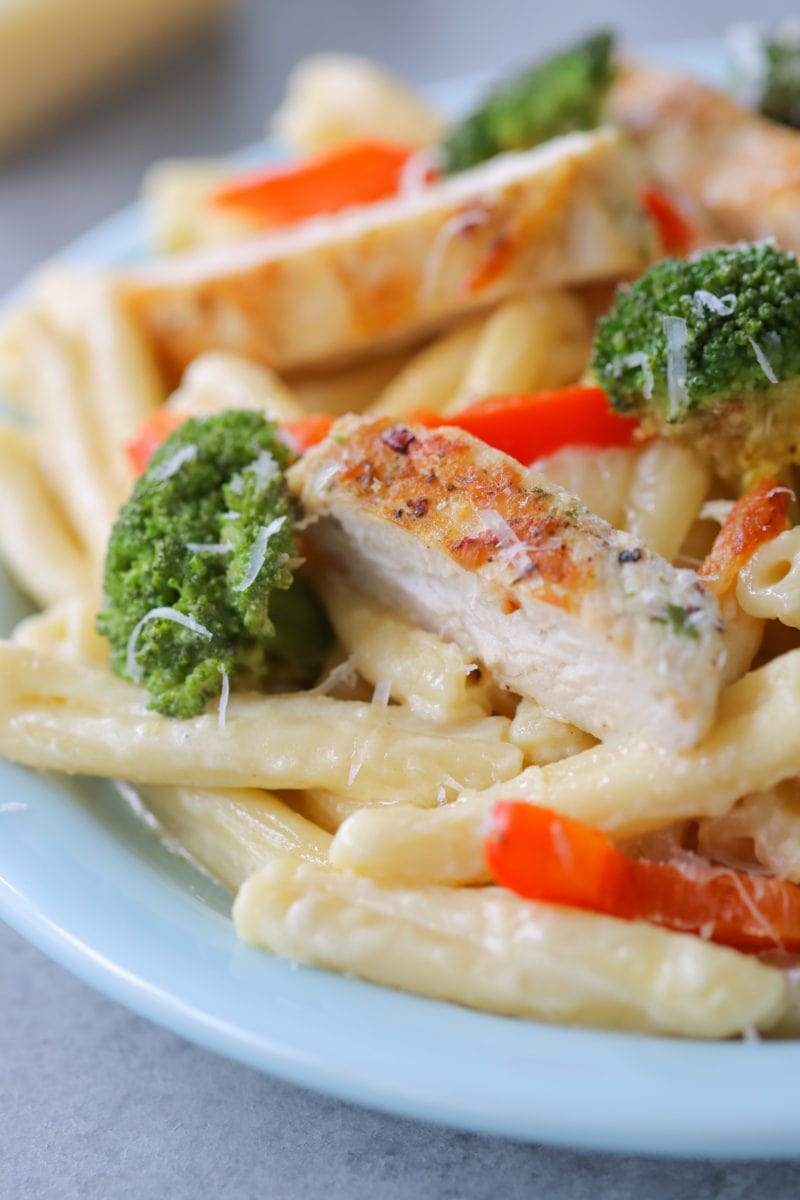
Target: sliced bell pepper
{"points": [[533, 425], [678, 235], [155, 430], [542, 855], [358, 172], [301, 435], [758, 516]]}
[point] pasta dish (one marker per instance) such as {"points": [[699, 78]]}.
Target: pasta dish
{"points": [[415, 535]]}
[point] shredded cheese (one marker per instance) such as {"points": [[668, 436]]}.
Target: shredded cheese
{"points": [[417, 167], [458, 223], [258, 553], [382, 692], [224, 696], [763, 361], [723, 306], [209, 547], [640, 359], [165, 470], [345, 672], [676, 333], [509, 545], [265, 469], [132, 668]]}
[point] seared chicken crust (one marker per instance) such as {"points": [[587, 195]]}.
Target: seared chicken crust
{"points": [[345, 285], [740, 170], [555, 602]]}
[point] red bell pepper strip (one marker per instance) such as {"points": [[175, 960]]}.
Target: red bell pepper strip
{"points": [[530, 426], [360, 172], [301, 435], [526, 426], [155, 430], [678, 235], [298, 435], [542, 855], [757, 517]]}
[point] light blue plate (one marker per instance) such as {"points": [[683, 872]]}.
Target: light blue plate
{"points": [[88, 883]]}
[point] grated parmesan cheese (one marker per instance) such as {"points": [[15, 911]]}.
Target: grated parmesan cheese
{"points": [[345, 672], [510, 547], [224, 696], [723, 306], [209, 547], [640, 359], [417, 168], [258, 553], [132, 668], [382, 692], [676, 333], [459, 223], [173, 464], [265, 469], [763, 361]]}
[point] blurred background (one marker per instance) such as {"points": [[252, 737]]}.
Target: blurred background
{"points": [[200, 77]]}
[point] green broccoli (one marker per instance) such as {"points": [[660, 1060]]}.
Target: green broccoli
{"points": [[766, 70], [199, 581], [707, 349], [557, 96]]}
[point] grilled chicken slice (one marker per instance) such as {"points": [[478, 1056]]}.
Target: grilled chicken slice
{"points": [[336, 287], [557, 604], [741, 171]]}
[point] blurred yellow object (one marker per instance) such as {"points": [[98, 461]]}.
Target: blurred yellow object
{"points": [[54, 53]]}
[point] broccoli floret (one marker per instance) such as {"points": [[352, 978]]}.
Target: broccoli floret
{"points": [[766, 69], [707, 349], [199, 578], [557, 96]]}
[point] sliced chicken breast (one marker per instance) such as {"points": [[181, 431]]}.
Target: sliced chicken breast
{"points": [[741, 170], [557, 604], [335, 287]]}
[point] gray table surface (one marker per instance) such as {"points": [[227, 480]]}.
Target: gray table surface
{"points": [[96, 1102]]}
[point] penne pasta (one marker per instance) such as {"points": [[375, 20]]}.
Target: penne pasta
{"points": [[68, 435], [433, 677], [36, 543], [217, 381], [623, 787], [175, 196], [488, 949], [58, 718], [527, 344], [543, 738], [66, 630], [432, 377], [332, 98], [232, 833], [668, 486]]}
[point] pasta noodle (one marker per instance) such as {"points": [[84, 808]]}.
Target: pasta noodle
{"points": [[624, 788], [668, 486], [36, 543], [762, 829], [490, 950], [332, 98], [528, 343], [433, 376], [217, 381], [89, 722], [769, 584], [233, 833], [434, 678]]}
